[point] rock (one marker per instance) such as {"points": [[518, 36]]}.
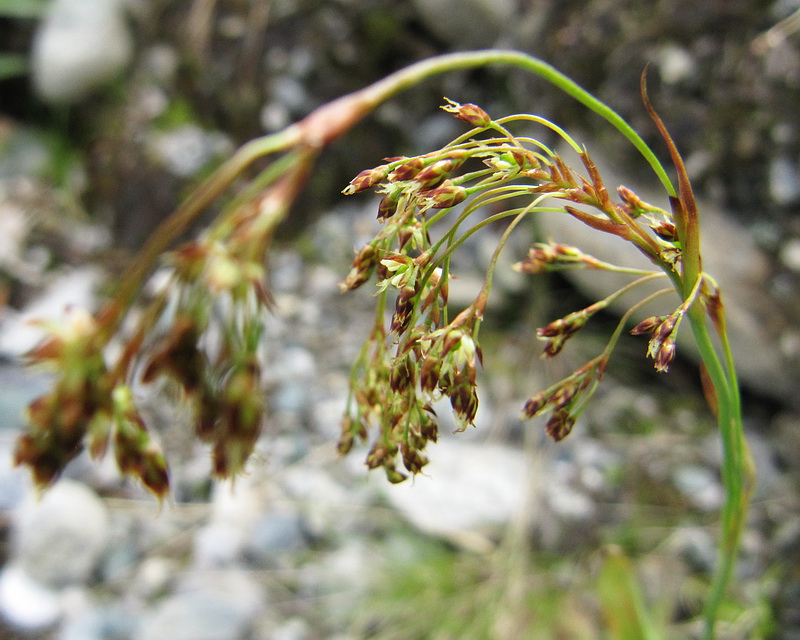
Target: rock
{"points": [[470, 490], [696, 546], [59, 539], [207, 606], [100, 623], [784, 181], [467, 23], [218, 544], [275, 535], [700, 486], [25, 603], [80, 45], [185, 150]]}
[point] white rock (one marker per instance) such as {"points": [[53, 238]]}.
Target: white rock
{"points": [[59, 539], [185, 150], [80, 45], [468, 490], [25, 603]]}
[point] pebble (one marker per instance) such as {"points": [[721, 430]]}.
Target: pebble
{"points": [[25, 603], [479, 22], [275, 535], [217, 605], [60, 538], [700, 486], [784, 181], [469, 489], [185, 150], [100, 623], [80, 45], [790, 255]]}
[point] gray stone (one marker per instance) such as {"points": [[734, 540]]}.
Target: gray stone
{"points": [[100, 623], [59, 539], [185, 150], [784, 181], [207, 606], [699, 485], [80, 45], [467, 23], [469, 490], [275, 535]]}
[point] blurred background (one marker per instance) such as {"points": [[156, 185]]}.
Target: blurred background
{"points": [[112, 110]]}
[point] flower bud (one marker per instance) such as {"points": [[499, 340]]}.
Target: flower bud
{"points": [[560, 425], [363, 266], [535, 404], [470, 113], [665, 230], [665, 354], [387, 206], [407, 170], [648, 325], [366, 179], [445, 196]]}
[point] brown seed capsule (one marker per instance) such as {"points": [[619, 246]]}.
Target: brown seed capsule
{"points": [[665, 230], [536, 404], [404, 308], [445, 196], [560, 425], [366, 179], [470, 113], [665, 354], [429, 373], [387, 206], [648, 325], [407, 170]]}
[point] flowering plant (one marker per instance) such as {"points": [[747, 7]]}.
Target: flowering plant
{"points": [[424, 351]]}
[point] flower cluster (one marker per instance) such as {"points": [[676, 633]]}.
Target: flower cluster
{"points": [[567, 398], [420, 356], [202, 333], [88, 407], [663, 331]]}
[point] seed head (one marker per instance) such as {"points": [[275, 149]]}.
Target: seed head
{"points": [[363, 266], [536, 404], [407, 170], [470, 113], [648, 325], [666, 230], [366, 179], [388, 205], [665, 354], [444, 196], [560, 425]]}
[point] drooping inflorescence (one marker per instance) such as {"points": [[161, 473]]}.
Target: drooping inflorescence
{"points": [[428, 209]]}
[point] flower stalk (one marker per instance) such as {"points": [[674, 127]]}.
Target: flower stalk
{"points": [[422, 354]]}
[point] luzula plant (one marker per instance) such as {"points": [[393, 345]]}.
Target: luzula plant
{"points": [[203, 329]]}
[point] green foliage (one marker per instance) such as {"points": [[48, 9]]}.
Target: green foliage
{"points": [[23, 8], [12, 65]]}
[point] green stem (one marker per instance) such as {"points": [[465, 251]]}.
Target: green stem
{"points": [[737, 469]]}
